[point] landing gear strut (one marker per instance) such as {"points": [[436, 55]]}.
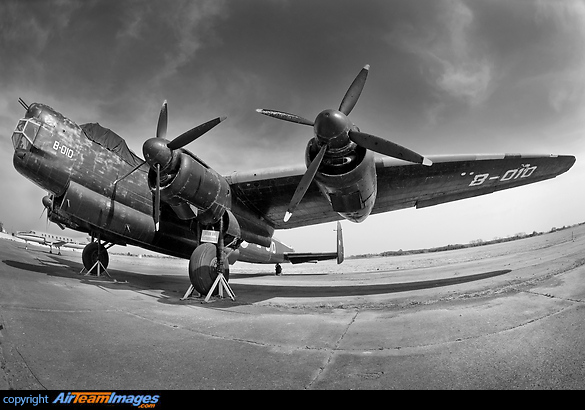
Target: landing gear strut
{"points": [[51, 250]]}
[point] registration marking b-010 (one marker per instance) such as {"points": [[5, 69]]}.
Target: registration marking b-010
{"points": [[524, 171]]}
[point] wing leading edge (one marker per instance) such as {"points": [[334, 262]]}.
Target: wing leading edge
{"points": [[400, 184]]}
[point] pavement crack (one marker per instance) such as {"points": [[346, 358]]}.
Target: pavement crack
{"points": [[3, 365], [14, 372], [29, 369], [332, 352], [548, 295]]}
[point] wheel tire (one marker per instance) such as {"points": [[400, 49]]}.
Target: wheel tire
{"points": [[203, 268], [90, 257]]}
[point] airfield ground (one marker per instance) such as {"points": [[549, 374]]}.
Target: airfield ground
{"points": [[502, 316]]}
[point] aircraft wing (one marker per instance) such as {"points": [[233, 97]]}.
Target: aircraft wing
{"points": [[400, 184]]}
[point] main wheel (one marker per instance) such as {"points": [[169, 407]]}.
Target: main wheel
{"points": [[89, 257], [203, 268]]}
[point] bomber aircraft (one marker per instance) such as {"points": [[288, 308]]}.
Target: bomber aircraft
{"points": [[172, 202]]}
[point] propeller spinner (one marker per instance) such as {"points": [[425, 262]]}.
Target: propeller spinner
{"points": [[333, 129]]}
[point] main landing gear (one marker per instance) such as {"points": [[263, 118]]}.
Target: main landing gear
{"points": [[209, 270], [95, 258], [203, 269]]}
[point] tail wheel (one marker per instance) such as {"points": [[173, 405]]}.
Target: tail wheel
{"points": [[203, 268], [90, 256]]}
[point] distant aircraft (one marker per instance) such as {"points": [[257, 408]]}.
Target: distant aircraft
{"points": [[174, 203], [44, 238]]}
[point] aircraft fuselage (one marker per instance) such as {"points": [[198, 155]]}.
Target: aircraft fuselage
{"points": [[57, 155]]}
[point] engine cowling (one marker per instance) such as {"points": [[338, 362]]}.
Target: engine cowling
{"points": [[194, 190], [347, 178], [195, 183]]}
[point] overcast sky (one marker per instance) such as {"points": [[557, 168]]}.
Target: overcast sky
{"points": [[446, 77]]}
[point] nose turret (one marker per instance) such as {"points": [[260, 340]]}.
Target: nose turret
{"points": [[35, 110]]}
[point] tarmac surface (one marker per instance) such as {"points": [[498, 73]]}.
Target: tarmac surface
{"points": [[502, 316]]}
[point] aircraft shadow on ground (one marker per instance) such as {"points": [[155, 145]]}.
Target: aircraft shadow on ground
{"points": [[361, 290], [47, 269], [172, 287]]}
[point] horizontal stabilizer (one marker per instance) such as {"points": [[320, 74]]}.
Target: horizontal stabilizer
{"points": [[299, 257]]}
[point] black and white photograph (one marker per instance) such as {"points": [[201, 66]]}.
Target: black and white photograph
{"points": [[290, 195]]}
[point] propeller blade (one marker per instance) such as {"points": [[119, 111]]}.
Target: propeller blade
{"points": [[128, 174], [354, 91], [386, 147], [46, 219], [161, 127], [48, 207], [305, 183], [157, 199], [194, 133], [285, 116]]}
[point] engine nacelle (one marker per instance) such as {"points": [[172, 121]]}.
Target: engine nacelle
{"points": [[198, 185], [231, 227], [347, 178]]}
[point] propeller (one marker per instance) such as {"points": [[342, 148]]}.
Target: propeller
{"points": [[47, 206], [159, 152], [157, 199], [305, 182], [333, 129], [163, 120]]}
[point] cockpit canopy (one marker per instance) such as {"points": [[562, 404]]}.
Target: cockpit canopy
{"points": [[111, 141], [25, 133]]}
